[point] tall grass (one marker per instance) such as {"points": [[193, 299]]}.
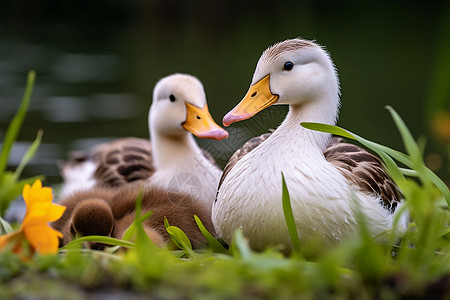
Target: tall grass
{"points": [[10, 185]]}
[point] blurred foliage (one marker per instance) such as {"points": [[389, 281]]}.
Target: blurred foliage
{"points": [[10, 185]]}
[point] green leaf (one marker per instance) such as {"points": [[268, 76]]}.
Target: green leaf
{"points": [[6, 228], [442, 187], [392, 169], [14, 127], [409, 172], [99, 239], [30, 181], [328, 128], [240, 247], [397, 155], [167, 225], [213, 243], [180, 239], [401, 157], [11, 189], [131, 231], [406, 160], [289, 217], [410, 144], [143, 242], [28, 154]]}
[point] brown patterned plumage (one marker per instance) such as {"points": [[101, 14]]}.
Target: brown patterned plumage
{"points": [[120, 161], [363, 169], [123, 161], [109, 212]]}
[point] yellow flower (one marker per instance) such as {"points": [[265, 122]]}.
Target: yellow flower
{"points": [[440, 125], [35, 229]]}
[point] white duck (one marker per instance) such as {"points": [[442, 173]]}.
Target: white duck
{"points": [[172, 161], [328, 181]]}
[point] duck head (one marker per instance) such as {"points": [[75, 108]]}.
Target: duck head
{"points": [[293, 72], [179, 105]]}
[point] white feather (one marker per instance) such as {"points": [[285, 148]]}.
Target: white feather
{"points": [[78, 177]]}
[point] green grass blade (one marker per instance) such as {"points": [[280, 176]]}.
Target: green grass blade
{"points": [[441, 186], [397, 155], [180, 239], [401, 157], [30, 180], [392, 168], [144, 245], [11, 189], [14, 127], [99, 239], [328, 128], [410, 144], [6, 228], [172, 238], [405, 159], [240, 247], [213, 243], [28, 155], [409, 172], [289, 217], [131, 231]]}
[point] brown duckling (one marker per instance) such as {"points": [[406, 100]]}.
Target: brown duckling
{"points": [[91, 205], [109, 212]]}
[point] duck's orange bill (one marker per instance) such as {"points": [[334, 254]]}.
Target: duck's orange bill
{"points": [[200, 123], [258, 97]]}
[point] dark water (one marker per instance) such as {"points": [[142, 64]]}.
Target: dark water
{"points": [[97, 62]]}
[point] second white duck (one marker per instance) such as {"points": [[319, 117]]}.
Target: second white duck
{"points": [[172, 161]]}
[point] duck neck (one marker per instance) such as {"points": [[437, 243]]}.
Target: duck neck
{"points": [[172, 152], [319, 112]]}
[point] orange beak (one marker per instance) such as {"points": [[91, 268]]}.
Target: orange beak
{"points": [[200, 123], [258, 97]]}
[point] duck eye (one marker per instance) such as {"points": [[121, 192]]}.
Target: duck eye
{"points": [[172, 98], [288, 66]]}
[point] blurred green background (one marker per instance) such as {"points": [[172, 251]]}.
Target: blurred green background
{"points": [[97, 63]]}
